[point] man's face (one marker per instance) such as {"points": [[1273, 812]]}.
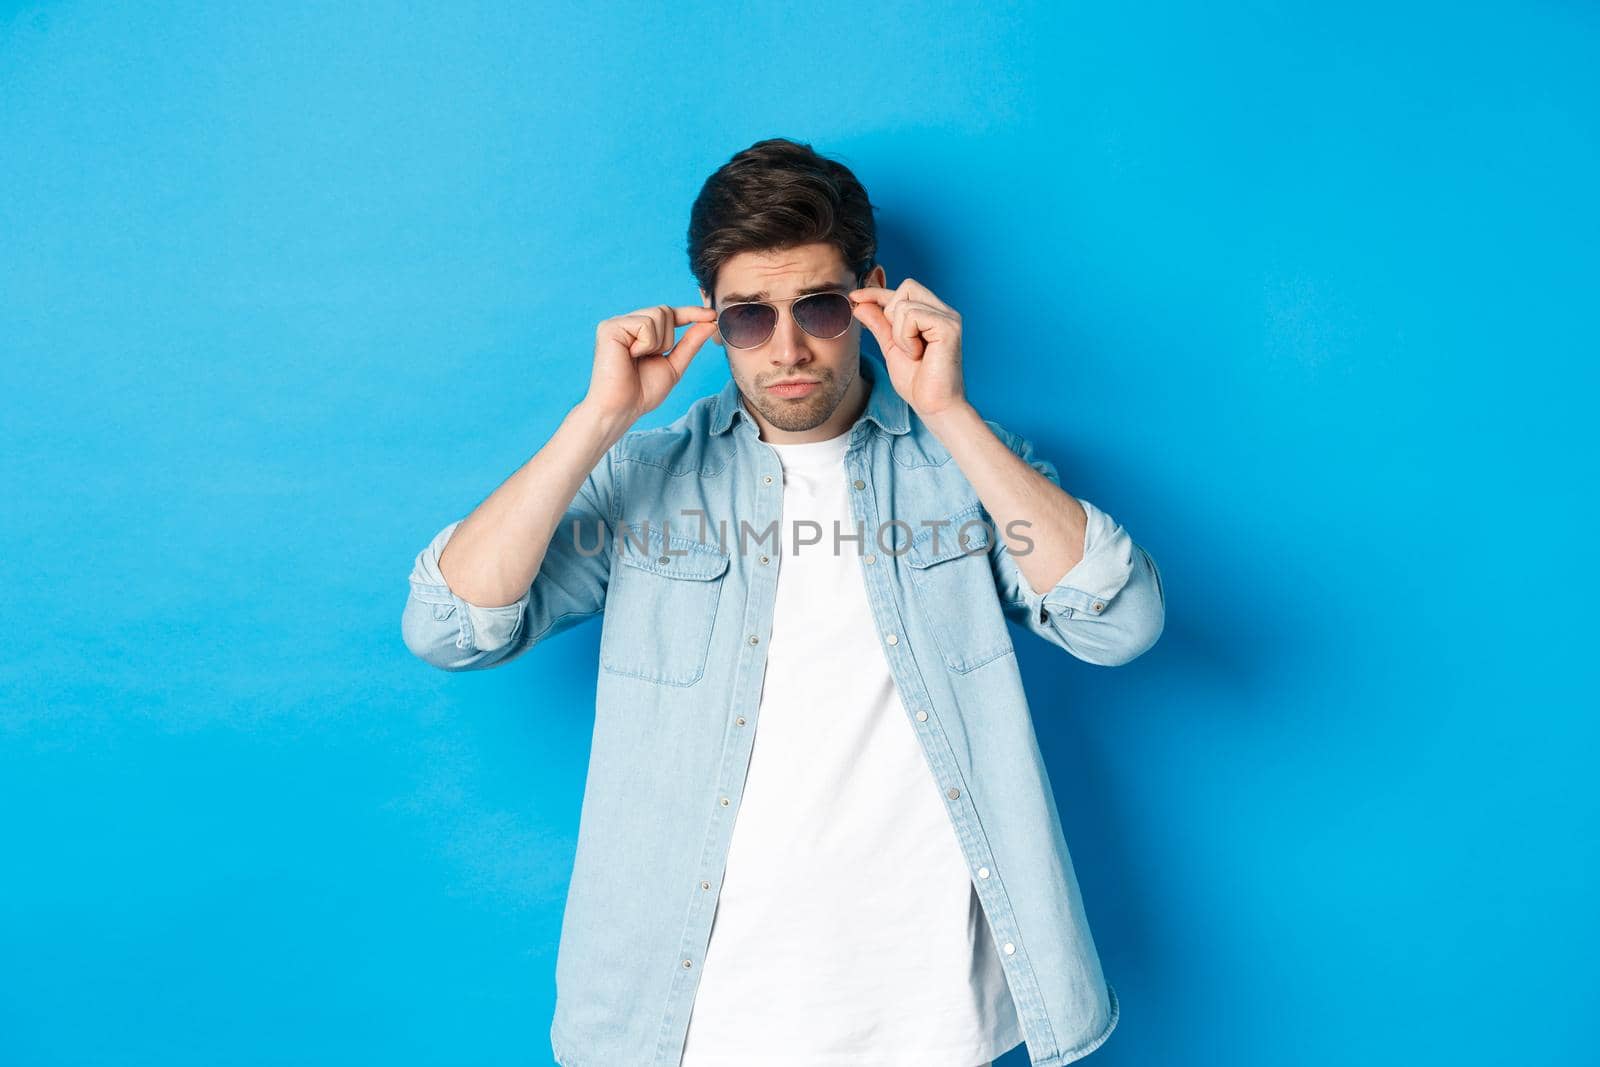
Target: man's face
{"points": [[791, 354]]}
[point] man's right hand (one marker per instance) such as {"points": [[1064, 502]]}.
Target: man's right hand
{"points": [[630, 378]]}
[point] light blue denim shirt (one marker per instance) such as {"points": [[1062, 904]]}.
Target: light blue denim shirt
{"points": [[683, 644]]}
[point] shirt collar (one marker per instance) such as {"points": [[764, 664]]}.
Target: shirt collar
{"points": [[884, 406]]}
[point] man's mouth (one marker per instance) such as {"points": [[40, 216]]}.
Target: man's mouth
{"points": [[793, 387]]}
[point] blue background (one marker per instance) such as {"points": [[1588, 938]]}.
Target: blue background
{"points": [[1304, 297]]}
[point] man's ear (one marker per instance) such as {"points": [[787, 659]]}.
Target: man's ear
{"points": [[876, 277]]}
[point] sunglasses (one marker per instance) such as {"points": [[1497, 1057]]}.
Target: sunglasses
{"points": [[749, 324]]}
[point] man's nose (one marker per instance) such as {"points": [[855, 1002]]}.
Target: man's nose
{"points": [[789, 341]]}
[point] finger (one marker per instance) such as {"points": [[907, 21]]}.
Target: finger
{"points": [[926, 309], [876, 294], [643, 330], [683, 316], [688, 345], [912, 289], [873, 318], [670, 318], [666, 327], [908, 320]]}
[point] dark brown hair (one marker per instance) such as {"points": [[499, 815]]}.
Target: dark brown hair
{"points": [[776, 194]]}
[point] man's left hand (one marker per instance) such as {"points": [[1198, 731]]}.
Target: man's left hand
{"points": [[920, 336]]}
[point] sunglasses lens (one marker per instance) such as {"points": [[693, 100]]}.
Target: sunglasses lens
{"points": [[823, 315], [747, 325]]}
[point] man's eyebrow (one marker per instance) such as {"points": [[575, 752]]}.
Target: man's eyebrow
{"points": [[829, 287]]}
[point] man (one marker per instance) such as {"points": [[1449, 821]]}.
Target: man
{"points": [[816, 827]]}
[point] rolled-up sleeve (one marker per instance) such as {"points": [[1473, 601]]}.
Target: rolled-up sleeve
{"points": [[444, 630], [1108, 609]]}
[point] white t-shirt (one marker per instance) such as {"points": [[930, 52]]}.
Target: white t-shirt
{"points": [[847, 929]]}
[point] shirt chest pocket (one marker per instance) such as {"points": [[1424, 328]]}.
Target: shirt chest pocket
{"points": [[955, 586], [660, 606]]}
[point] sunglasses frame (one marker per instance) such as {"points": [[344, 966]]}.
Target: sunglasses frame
{"points": [[777, 316]]}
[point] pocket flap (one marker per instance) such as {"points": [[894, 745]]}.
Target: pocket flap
{"points": [[966, 533], [672, 557]]}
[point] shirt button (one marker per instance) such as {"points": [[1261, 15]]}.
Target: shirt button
{"points": [[1097, 605], [763, 559], [872, 559], [983, 872], [1010, 948], [739, 721], [686, 963], [754, 640], [766, 479], [859, 484], [893, 639], [724, 801], [664, 559], [705, 885], [952, 792], [922, 716]]}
